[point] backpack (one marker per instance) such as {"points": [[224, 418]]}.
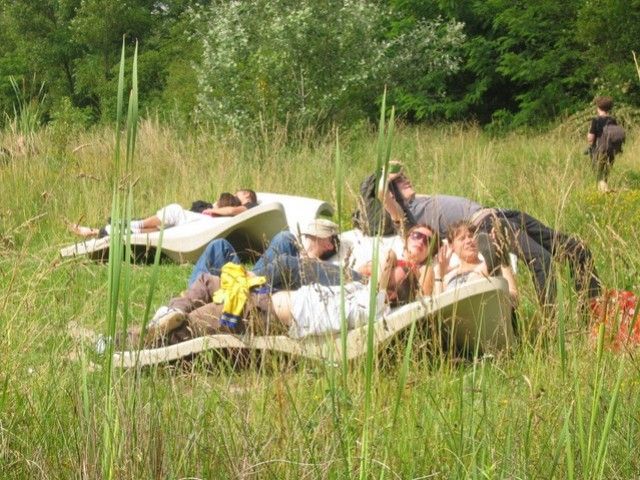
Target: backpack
{"points": [[370, 214], [616, 309], [610, 142]]}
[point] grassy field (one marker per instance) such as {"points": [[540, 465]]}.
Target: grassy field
{"points": [[548, 409]]}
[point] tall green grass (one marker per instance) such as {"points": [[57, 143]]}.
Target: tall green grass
{"points": [[555, 407]]}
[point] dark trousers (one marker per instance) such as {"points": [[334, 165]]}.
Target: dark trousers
{"points": [[538, 245]]}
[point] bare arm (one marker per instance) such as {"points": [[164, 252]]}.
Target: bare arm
{"points": [[441, 268], [224, 211], [591, 138], [507, 273], [392, 206], [427, 279]]}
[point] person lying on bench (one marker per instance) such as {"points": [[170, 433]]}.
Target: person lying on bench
{"points": [[533, 242], [201, 309], [421, 244], [319, 241], [174, 215], [463, 242]]}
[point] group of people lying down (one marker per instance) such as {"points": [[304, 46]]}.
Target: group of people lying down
{"points": [[174, 215], [292, 287], [533, 242]]}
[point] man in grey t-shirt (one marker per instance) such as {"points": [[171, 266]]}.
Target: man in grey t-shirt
{"points": [[534, 242], [440, 211]]}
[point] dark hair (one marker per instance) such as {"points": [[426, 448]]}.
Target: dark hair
{"points": [[434, 244], [604, 103], [199, 205], [456, 227], [228, 200], [252, 194], [335, 242]]}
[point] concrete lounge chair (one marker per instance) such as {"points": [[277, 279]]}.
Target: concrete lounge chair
{"points": [[249, 231], [477, 313], [298, 210]]}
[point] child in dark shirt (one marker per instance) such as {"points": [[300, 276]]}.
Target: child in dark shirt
{"points": [[601, 162]]}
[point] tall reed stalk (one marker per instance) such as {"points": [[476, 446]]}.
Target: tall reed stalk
{"points": [[383, 154], [119, 269]]}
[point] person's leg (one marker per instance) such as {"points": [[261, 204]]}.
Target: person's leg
{"points": [[281, 243], [601, 165], [287, 272], [198, 294], [175, 314], [581, 264], [530, 240], [217, 253], [566, 247], [489, 253]]}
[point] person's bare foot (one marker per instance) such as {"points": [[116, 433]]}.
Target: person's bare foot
{"points": [[85, 232]]}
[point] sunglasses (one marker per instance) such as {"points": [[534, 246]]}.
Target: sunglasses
{"points": [[415, 235]]}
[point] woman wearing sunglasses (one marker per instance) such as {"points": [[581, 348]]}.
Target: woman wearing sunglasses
{"points": [[420, 246]]}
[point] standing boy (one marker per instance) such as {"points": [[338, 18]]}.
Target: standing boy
{"points": [[605, 140]]}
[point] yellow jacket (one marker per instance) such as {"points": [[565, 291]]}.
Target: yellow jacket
{"points": [[235, 284]]}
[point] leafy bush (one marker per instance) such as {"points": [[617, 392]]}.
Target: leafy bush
{"points": [[311, 63]]}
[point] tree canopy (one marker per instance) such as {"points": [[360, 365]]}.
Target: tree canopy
{"points": [[313, 63]]}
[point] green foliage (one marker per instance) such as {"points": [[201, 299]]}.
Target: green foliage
{"points": [[610, 31], [256, 63], [313, 63]]}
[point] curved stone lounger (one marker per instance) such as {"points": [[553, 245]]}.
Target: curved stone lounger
{"points": [[249, 231], [298, 210], [479, 313]]}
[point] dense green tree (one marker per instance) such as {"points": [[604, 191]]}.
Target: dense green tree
{"points": [[540, 55], [610, 31], [510, 62], [72, 47], [314, 63]]}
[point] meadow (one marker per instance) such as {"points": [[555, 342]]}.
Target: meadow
{"points": [[556, 406]]}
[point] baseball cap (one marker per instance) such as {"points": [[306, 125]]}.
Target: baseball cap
{"points": [[320, 228]]}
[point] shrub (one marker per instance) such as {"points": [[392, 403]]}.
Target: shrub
{"points": [[309, 63]]}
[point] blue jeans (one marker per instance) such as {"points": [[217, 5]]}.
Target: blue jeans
{"points": [[282, 243], [287, 272], [217, 253], [220, 251], [280, 263]]}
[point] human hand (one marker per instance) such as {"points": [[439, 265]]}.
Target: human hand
{"points": [[443, 258], [365, 270], [210, 211]]}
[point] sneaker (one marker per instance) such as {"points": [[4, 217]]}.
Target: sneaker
{"points": [[161, 312], [602, 186], [163, 323], [102, 342]]}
